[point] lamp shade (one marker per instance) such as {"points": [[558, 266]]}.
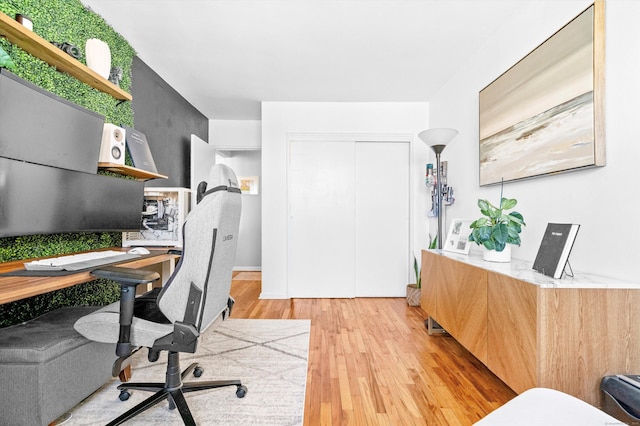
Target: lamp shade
{"points": [[433, 137]]}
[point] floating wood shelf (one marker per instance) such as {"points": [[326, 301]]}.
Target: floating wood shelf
{"points": [[130, 171], [32, 43]]}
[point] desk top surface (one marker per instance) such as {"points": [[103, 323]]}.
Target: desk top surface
{"points": [[523, 270], [14, 288]]}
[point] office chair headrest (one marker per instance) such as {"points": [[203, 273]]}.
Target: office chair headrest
{"points": [[221, 174], [221, 178]]}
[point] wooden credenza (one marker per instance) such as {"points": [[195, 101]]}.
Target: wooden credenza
{"points": [[532, 330]]}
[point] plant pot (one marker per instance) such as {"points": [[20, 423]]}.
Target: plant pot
{"points": [[413, 295], [98, 56], [497, 256]]}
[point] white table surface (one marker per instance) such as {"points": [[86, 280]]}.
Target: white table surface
{"points": [[547, 407]]}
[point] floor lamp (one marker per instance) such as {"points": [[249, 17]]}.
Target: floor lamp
{"points": [[438, 139]]}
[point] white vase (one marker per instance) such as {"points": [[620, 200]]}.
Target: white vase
{"points": [[497, 256], [98, 56]]}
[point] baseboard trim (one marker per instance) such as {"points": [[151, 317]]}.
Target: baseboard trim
{"points": [[273, 296]]}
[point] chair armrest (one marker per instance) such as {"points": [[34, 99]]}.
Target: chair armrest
{"points": [[126, 276], [128, 279]]}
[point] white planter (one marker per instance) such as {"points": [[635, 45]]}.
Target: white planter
{"points": [[98, 56], [497, 256]]}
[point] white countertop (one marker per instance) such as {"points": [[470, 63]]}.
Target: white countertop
{"points": [[541, 406], [523, 271]]}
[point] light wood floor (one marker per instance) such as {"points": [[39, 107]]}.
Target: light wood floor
{"points": [[371, 362]]}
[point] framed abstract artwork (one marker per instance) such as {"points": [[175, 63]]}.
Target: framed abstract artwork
{"points": [[249, 184], [545, 114]]}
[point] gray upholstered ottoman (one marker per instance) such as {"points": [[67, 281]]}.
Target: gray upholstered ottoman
{"points": [[46, 367]]}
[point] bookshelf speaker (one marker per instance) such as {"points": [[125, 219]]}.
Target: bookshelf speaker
{"points": [[113, 144]]}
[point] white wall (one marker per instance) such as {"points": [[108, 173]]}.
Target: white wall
{"points": [[248, 253], [240, 142], [235, 134], [602, 200], [282, 118]]}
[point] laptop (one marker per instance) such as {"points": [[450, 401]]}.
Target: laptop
{"points": [[139, 150]]}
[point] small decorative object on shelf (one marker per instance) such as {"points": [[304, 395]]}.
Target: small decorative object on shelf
{"points": [[68, 48], [498, 230], [25, 21], [458, 237], [98, 56], [115, 75]]}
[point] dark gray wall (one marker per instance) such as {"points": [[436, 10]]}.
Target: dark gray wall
{"points": [[168, 121]]}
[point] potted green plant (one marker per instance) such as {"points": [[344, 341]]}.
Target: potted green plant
{"points": [[498, 229], [5, 60], [413, 290]]}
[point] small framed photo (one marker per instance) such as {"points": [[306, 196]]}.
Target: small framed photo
{"points": [[248, 184], [458, 237]]}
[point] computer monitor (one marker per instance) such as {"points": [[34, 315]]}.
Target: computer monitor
{"points": [[37, 199], [40, 127]]}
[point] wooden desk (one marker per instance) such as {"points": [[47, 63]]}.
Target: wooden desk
{"points": [[14, 288]]}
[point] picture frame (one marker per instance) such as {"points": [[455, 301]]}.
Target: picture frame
{"points": [[545, 114], [249, 184], [457, 240]]}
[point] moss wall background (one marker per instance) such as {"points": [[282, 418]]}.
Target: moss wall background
{"points": [[65, 21]]}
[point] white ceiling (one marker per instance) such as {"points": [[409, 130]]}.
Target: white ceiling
{"points": [[226, 56]]}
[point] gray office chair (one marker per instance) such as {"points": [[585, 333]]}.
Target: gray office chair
{"points": [[195, 297]]}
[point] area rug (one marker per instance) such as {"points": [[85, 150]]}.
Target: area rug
{"points": [[269, 356]]}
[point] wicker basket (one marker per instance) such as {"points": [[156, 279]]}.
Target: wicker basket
{"points": [[413, 295]]}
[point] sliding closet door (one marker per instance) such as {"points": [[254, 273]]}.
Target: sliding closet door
{"points": [[321, 219], [382, 219], [348, 219]]}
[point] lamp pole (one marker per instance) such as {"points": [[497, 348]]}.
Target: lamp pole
{"points": [[438, 150], [437, 140]]}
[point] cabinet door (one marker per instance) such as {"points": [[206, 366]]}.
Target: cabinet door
{"points": [[429, 283], [512, 326], [585, 334], [447, 295], [462, 304]]}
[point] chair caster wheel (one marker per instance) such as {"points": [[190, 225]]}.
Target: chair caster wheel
{"points": [[241, 391], [197, 372], [124, 395]]}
